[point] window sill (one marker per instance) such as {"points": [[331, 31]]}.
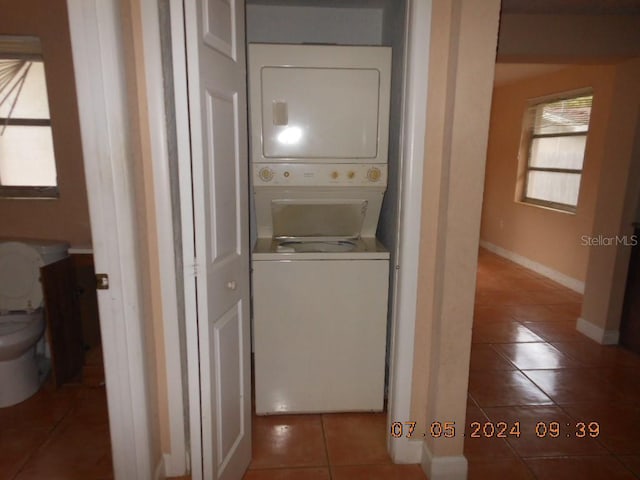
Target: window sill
{"points": [[29, 193], [546, 207]]}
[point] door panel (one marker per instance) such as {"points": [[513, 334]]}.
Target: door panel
{"points": [[220, 30], [227, 336], [217, 99], [222, 122]]}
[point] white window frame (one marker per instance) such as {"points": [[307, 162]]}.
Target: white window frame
{"points": [[25, 48], [526, 146]]}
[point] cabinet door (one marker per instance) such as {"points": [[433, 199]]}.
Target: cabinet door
{"points": [[64, 325]]}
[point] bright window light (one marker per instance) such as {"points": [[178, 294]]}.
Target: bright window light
{"points": [[27, 161], [557, 137]]}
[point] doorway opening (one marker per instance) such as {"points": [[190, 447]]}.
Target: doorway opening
{"points": [[531, 356], [380, 23], [70, 407]]}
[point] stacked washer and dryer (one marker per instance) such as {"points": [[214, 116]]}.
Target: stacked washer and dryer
{"points": [[319, 141]]}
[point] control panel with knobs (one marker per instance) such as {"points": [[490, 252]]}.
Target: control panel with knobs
{"points": [[332, 175]]}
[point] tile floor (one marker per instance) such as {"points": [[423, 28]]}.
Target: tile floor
{"points": [[339, 446], [57, 435], [528, 365]]}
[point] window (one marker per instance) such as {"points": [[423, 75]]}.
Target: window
{"points": [[27, 162], [556, 137]]}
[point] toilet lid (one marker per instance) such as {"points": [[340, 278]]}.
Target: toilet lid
{"points": [[20, 287]]}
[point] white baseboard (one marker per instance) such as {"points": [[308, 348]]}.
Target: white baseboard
{"points": [[599, 334], [175, 465], [405, 450], [569, 282], [159, 473], [453, 467]]}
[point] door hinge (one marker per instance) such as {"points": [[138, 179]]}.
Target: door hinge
{"points": [[195, 267], [102, 281]]}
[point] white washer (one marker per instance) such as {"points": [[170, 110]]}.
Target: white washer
{"points": [[320, 329], [319, 292]]}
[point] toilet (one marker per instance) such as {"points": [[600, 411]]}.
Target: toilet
{"points": [[22, 322]]}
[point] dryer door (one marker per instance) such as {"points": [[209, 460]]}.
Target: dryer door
{"points": [[319, 103], [317, 113]]}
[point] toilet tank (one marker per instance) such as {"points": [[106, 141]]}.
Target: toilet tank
{"points": [[50, 251], [20, 262]]}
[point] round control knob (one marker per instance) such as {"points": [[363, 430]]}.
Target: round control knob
{"points": [[374, 174], [265, 174], [351, 174], [334, 174]]}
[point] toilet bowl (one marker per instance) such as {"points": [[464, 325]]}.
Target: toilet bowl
{"points": [[22, 321]]}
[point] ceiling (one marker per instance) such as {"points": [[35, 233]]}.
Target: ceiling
{"points": [[589, 7], [325, 3], [505, 72], [510, 72]]}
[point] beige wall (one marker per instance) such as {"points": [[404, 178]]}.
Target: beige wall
{"points": [[462, 52], [67, 217], [545, 236], [608, 193], [131, 17], [618, 192]]}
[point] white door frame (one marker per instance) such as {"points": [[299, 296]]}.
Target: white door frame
{"points": [[181, 101], [403, 316], [102, 106], [175, 461]]}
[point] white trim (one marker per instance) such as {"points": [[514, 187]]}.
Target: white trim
{"points": [[599, 334], [403, 450], [102, 107], [175, 459], [160, 470], [181, 99], [454, 467], [569, 282]]}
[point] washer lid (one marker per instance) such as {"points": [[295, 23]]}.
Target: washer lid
{"points": [[341, 218], [20, 287]]}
